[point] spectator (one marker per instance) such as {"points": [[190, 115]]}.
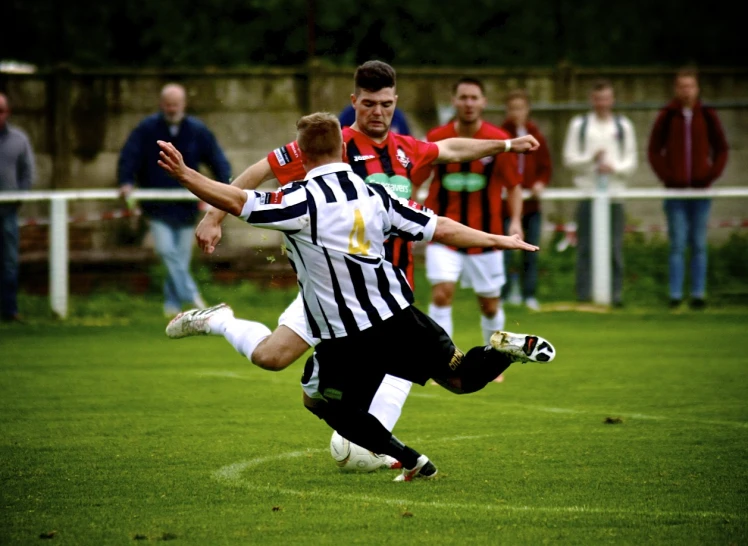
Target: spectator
{"points": [[600, 150], [687, 150], [535, 170], [16, 173], [399, 123], [171, 222]]}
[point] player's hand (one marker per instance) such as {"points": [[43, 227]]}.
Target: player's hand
{"points": [[208, 234], [515, 242], [524, 144], [171, 160]]}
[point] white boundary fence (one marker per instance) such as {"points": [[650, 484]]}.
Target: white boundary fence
{"points": [[601, 198]]}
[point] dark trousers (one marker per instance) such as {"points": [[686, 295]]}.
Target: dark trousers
{"points": [[531, 225], [9, 243]]}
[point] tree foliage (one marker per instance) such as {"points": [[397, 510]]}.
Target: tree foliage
{"points": [[235, 33]]}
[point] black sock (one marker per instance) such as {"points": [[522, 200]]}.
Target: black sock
{"points": [[480, 366], [403, 453]]}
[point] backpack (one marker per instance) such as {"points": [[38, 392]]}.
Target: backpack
{"points": [[620, 135]]}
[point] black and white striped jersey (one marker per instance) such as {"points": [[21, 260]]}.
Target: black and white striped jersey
{"points": [[335, 226]]}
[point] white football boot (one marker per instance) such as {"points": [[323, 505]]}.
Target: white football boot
{"points": [[424, 469], [523, 347], [195, 322]]}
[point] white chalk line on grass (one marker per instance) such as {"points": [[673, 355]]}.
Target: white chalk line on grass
{"points": [[232, 475], [642, 416]]}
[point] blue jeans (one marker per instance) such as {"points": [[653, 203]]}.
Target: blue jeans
{"points": [[9, 242], [531, 224], [174, 245], [687, 221]]}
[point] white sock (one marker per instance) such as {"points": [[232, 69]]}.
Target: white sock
{"points": [[490, 325], [388, 402], [244, 335], [442, 316]]}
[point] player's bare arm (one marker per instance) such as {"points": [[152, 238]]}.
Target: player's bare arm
{"points": [[208, 231], [453, 233], [226, 197], [459, 150]]}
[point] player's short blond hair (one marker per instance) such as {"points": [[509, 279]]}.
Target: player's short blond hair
{"points": [[319, 135]]}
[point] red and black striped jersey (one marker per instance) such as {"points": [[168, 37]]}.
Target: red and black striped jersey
{"points": [[399, 163], [470, 193]]}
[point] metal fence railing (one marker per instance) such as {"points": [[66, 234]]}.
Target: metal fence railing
{"points": [[601, 261]]}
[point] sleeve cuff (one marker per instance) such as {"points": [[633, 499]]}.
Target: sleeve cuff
{"points": [[249, 205]]}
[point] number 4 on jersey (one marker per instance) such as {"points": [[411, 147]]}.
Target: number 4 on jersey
{"points": [[357, 243]]}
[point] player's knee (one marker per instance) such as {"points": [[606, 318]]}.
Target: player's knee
{"points": [[489, 307], [269, 360], [441, 295]]}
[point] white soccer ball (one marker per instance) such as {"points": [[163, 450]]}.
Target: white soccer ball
{"points": [[352, 457]]}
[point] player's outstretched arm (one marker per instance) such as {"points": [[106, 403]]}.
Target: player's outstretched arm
{"points": [[460, 150], [227, 198], [208, 231], [453, 233]]}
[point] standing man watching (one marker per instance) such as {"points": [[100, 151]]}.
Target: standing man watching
{"points": [[600, 150], [171, 222], [470, 193], [16, 173], [687, 150]]}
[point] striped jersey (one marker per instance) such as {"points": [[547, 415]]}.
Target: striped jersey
{"points": [[399, 163], [470, 193], [335, 226]]}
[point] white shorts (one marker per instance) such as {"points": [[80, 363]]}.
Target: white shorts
{"points": [[483, 272], [295, 319]]}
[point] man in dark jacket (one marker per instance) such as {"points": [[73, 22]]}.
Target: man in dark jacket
{"points": [[687, 150], [171, 222]]}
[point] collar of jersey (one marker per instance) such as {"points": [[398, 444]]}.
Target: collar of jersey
{"points": [[327, 169]]}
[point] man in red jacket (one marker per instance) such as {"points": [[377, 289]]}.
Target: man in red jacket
{"points": [[687, 150], [535, 171]]}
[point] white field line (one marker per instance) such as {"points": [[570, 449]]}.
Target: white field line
{"points": [[641, 416], [232, 475]]}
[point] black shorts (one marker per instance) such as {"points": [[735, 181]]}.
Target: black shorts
{"points": [[408, 345]]}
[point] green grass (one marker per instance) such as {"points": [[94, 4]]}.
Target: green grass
{"points": [[110, 432]]}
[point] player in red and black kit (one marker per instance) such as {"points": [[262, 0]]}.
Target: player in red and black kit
{"points": [[471, 193]]}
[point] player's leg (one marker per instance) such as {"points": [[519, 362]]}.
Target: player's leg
{"points": [[335, 393], [484, 273], [432, 353], [269, 350], [443, 268], [387, 404], [288, 342]]}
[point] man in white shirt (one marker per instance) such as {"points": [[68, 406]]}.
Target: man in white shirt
{"points": [[600, 150], [335, 227]]}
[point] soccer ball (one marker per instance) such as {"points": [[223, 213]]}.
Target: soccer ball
{"points": [[352, 457]]}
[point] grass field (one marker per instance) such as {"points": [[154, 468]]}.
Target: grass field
{"points": [[111, 433]]}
